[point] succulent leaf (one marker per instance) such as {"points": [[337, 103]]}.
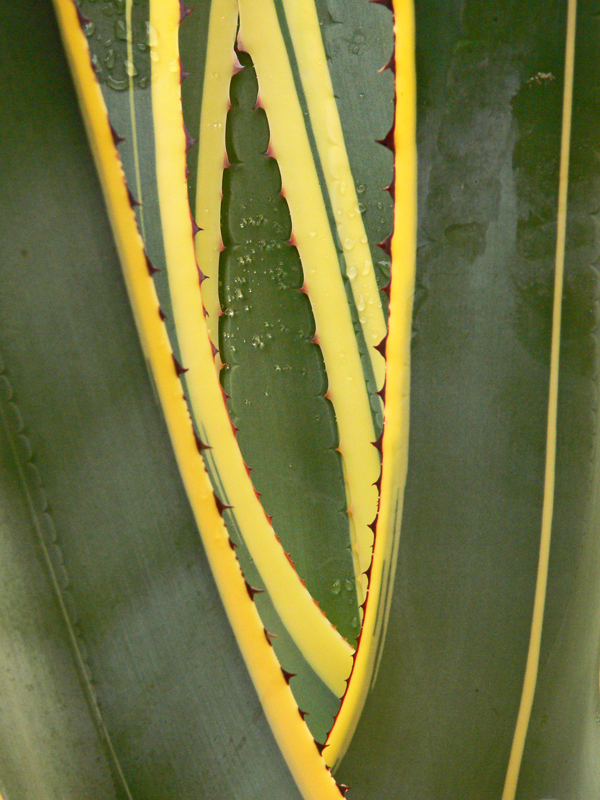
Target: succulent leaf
{"points": [[119, 674]]}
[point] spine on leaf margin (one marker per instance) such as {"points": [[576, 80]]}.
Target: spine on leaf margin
{"points": [[394, 444], [263, 31], [324, 649], [298, 747], [290, 732]]}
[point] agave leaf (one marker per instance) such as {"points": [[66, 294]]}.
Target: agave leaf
{"points": [[154, 125], [49, 745], [305, 763], [154, 631], [292, 135], [194, 361], [274, 378], [449, 707], [149, 167], [274, 373], [478, 693]]}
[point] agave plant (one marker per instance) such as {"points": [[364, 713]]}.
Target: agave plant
{"points": [[222, 575]]}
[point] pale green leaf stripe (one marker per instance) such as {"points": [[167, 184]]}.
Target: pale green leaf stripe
{"points": [[533, 655], [86, 681], [50, 744], [134, 135]]}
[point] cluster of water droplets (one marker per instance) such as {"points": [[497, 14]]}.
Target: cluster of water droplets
{"points": [[110, 38]]}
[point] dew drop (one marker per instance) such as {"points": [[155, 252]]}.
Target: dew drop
{"points": [[352, 272], [121, 31], [130, 68], [117, 85], [337, 587], [151, 34]]}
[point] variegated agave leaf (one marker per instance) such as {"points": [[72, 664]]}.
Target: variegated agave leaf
{"points": [[487, 684], [290, 272], [117, 661]]}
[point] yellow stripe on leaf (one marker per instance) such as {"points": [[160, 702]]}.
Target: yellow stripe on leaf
{"points": [[396, 413], [220, 64], [324, 649], [325, 121], [306, 766], [261, 36], [533, 654]]}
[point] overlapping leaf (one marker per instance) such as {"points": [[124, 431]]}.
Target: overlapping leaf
{"points": [[88, 480]]}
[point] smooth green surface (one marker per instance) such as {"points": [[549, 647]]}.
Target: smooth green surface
{"points": [[565, 723], [440, 721], [49, 746]]}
